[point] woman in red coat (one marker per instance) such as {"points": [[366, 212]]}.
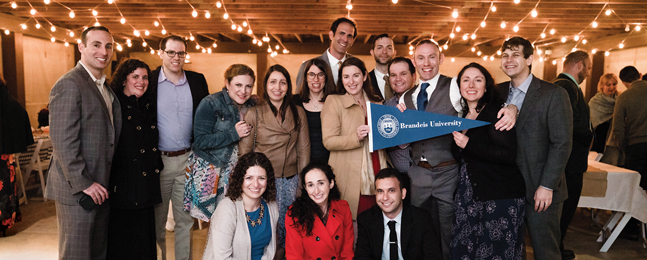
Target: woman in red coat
{"points": [[319, 225]]}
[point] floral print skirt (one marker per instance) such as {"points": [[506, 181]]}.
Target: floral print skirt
{"points": [[9, 205], [490, 229], [206, 185]]}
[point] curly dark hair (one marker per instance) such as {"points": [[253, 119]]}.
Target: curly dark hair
{"points": [[490, 94], [237, 176], [304, 209], [123, 70]]}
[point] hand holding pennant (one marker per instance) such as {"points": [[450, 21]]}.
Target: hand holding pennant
{"points": [[390, 127]]}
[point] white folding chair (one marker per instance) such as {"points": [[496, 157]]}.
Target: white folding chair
{"points": [[40, 161], [20, 180]]}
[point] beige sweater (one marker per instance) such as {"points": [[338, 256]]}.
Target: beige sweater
{"points": [[229, 236]]}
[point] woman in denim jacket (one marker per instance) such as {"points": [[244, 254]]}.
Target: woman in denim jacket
{"points": [[217, 128]]}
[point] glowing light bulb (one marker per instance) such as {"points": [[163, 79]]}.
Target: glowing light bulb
{"points": [[491, 58], [539, 51], [541, 59], [483, 24], [37, 26], [156, 23], [78, 41], [128, 41], [188, 56], [621, 45], [67, 44], [233, 27], [584, 41], [144, 44], [14, 5], [453, 59], [517, 1], [638, 28], [533, 13], [594, 51], [110, 1], [194, 13], [455, 13], [563, 39], [574, 50], [606, 53], [239, 29], [129, 44], [214, 45], [594, 24], [608, 12], [152, 51], [197, 46], [479, 53], [285, 51], [576, 38], [97, 24], [254, 41], [244, 23], [47, 2], [53, 28], [410, 52], [543, 35], [163, 31], [349, 6], [207, 15], [445, 46], [394, 1], [473, 36], [260, 43], [32, 11], [493, 9], [465, 37], [72, 14], [7, 32], [554, 62], [209, 50], [204, 50], [458, 29], [498, 52], [277, 47], [23, 26], [269, 49], [485, 57], [627, 28], [410, 47], [136, 33], [552, 31], [249, 32], [218, 4], [95, 13], [515, 28], [473, 49], [147, 33], [119, 48], [123, 20], [225, 16], [452, 35], [503, 25], [52, 39]]}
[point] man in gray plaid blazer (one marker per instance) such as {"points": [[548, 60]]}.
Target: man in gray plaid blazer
{"points": [[85, 121]]}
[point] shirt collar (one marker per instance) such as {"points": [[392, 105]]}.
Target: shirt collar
{"points": [[432, 82], [378, 74], [96, 81], [571, 77], [163, 77], [398, 218], [332, 59], [525, 85]]}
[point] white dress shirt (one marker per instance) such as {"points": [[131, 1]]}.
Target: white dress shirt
{"points": [[334, 64], [380, 80], [386, 251], [454, 92]]}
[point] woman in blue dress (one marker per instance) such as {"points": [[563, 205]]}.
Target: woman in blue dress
{"points": [[489, 201]]}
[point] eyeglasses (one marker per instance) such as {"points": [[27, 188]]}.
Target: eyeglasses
{"points": [[171, 54], [321, 75]]}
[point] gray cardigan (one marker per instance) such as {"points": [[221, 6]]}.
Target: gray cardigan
{"points": [[229, 236]]}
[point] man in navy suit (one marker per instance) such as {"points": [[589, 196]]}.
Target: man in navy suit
{"points": [[394, 230], [545, 124]]}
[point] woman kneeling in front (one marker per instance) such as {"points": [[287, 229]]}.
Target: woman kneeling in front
{"points": [[319, 224], [244, 224]]}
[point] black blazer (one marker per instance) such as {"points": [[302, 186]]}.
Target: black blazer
{"points": [[197, 84], [582, 134], [491, 158], [419, 239], [376, 88]]}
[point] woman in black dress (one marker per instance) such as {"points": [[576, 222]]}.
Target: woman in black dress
{"points": [[134, 178], [318, 84], [489, 202]]}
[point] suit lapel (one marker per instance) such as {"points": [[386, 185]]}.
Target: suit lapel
{"points": [[324, 57], [330, 228], [405, 228], [95, 90], [529, 102]]}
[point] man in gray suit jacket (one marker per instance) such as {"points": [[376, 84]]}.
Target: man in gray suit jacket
{"points": [[342, 35], [85, 121], [545, 124]]}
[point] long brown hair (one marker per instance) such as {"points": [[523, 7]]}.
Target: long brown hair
{"points": [[329, 83], [287, 99], [367, 86]]}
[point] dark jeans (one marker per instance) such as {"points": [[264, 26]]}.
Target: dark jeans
{"points": [[636, 159]]}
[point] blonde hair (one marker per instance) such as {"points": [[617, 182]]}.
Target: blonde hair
{"points": [[606, 78]]}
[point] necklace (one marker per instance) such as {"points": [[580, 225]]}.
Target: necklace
{"points": [[258, 221]]}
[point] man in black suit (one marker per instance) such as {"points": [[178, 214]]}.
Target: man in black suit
{"points": [[342, 35], [545, 124], [383, 52], [577, 66], [179, 92], [394, 230]]}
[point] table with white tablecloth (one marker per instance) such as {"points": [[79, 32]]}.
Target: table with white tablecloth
{"points": [[623, 195]]}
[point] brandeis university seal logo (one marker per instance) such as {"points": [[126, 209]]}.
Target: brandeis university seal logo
{"points": [[387, 126]]}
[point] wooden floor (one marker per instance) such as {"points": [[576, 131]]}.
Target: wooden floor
{"points": [[35, 238]]}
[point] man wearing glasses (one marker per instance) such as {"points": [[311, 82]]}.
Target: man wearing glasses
{"points": [[179, 92]]}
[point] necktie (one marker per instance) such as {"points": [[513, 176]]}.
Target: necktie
{"points": [[388, 92], [422, 97], [393, 241], [106, 97]]}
